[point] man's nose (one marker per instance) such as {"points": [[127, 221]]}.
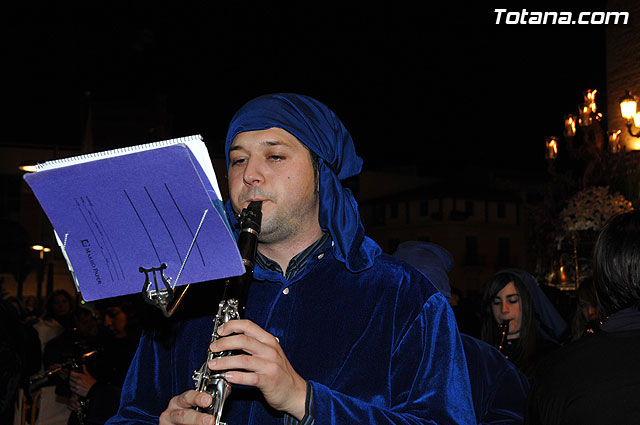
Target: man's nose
{"points": [[253, 173]]}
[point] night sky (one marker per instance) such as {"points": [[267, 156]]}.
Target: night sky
{"points": [[445, 86]]}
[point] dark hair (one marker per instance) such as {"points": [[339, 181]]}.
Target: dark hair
{"points": [[48, 307], [19, 305], [11, 332], [586, 294], [130, 306], [81, 312], [526, 344], [616, 263]]}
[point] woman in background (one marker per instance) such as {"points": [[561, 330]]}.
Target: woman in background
{"points": [[534, 326]]}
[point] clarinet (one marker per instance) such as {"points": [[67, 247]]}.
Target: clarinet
{"points": [[80, 414], [230, 308], [38, 381], [503, 328]]}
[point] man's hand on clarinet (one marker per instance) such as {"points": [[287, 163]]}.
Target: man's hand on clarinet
{"points": [[265, 366], [180, 410], [74, 403], [81, 382]]}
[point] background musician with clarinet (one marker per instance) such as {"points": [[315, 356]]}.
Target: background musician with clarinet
{"points": [[334, 331], [519, 319], [96, 384]]}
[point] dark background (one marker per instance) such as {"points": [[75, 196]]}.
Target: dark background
{"points": [[438, 85]]}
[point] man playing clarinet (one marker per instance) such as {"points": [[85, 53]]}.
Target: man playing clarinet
{"points": [[335, 331]]}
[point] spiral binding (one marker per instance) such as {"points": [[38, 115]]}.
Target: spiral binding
{"points": [[63, 162]]}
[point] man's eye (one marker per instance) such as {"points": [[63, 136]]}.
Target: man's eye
{"points": [[276, 157], [237, 161]]}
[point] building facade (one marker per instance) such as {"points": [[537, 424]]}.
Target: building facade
{"points": [[485, 230]]}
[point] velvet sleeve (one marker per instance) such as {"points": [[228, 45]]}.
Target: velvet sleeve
{"points": [[427, 380], [148, 387], [507, 401], [499, 389], [102, 402]]}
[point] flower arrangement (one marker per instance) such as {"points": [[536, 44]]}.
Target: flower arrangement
{"points": [[590, 209]]}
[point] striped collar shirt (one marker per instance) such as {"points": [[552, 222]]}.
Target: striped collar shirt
{"points": [[297, 263]]}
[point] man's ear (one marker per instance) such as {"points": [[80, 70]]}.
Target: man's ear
{"points": [[315, 162]]}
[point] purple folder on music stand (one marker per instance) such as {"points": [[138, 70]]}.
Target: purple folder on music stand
{"points": [[140, 207]]}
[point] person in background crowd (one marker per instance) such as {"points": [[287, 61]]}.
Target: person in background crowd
{"points": [[32, 309], [30, 348], [11, 368], [18, 339], [56, 319], [535, 326], [587, 315], [596, 379], [57, 316], [499, 389], [69, 346], [96, 387]]}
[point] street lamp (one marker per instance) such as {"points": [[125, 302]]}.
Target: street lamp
{"points": [[27, 166], [40, 275], [629, 111], [591, 150], [41, 249]]}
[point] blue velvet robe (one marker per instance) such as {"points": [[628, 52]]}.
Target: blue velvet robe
{"points": [[499, 388], [378, 346]]}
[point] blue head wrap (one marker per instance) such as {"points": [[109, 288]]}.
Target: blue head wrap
{"points": [[432, 260], [320, 130]]}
